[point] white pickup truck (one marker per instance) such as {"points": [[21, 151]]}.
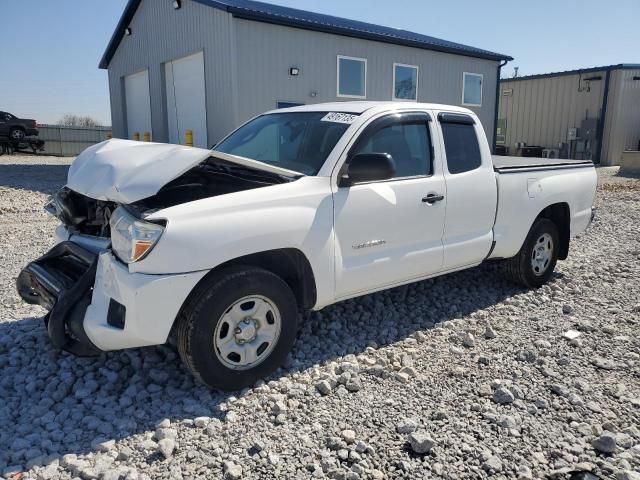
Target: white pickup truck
{"points": [[295, 210]]}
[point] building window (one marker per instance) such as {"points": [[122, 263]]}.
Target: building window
{"points": [[472, 89], [352, 77], [405, 82], [281, 104]]}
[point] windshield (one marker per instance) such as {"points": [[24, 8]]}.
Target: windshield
{"points": [[299, 141]]}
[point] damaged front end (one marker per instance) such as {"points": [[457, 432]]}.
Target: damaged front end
{"points": [[96, 224], [61, 281], [81, 214]]}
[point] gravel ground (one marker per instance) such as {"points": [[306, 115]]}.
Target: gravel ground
{"points": [[464, 376]]}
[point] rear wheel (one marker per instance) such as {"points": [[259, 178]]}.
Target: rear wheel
{"points": [[16, 134], [237, 327], [536, 260]]}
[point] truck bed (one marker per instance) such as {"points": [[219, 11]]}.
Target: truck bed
{"points": [[502, 164]]}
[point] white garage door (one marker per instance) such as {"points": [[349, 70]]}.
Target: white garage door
{"points": [[138, 104], [186, 108]]}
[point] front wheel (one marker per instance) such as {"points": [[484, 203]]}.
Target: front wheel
{"points": [[534, 264], [237, 327]]}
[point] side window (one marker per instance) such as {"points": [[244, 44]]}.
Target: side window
{"points": [[408, 144], [461, 146]]}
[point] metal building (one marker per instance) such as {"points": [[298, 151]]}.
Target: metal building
{"points": [[591, 114], [210, 65]]}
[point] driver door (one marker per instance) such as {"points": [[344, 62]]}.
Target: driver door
{"points": [[388, 232]]}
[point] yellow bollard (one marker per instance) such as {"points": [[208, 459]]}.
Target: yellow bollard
{"points": [[147, 137], [188, 138], [136, 136]]}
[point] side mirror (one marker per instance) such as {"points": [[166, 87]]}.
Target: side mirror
{"points": [[368, 167]]}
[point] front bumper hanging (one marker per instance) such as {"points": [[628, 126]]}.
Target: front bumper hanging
{"points": [[61, 281]]}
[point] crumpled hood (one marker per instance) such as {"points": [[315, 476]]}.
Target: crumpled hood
{"points": [[125, 171]]}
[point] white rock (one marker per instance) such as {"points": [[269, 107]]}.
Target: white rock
{"points": [[166, 446], [571, 334], [407, 425], [421, 442]]}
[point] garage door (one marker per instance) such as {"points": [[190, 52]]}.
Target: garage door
{"points": [[186, 108], [138, 104]]}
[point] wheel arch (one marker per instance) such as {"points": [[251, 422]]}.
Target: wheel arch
{"points": [[290, 264], [560, 214]]}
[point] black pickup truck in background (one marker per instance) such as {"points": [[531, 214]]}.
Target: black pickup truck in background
{"points": [[16, 128]]}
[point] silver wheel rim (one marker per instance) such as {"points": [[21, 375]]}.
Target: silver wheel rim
{"points": [[247, 332], [542, 254], [16, 134]]}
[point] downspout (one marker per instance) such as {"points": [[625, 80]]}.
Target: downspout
{"points": [[605, 102], [497, 108]]}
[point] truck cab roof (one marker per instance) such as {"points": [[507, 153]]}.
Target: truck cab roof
{"points": [[361, 107]]}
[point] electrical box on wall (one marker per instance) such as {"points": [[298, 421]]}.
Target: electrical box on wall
{"points": [[589, 128]]}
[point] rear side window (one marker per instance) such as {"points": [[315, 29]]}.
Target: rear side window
{"points": [[461, 146]]}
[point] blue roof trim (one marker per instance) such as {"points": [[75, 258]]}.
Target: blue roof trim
{"points": [[291, 17], [604, 69]]}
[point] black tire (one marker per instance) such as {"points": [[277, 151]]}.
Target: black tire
{"points": [[520, 269], [16, 134], [204, 310]]}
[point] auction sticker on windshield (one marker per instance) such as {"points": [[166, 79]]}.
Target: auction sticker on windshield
{"points": [[339, 117]]}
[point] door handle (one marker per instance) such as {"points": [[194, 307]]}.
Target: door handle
{"points": [[432, 198]]}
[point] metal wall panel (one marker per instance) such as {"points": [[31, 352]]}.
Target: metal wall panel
{"points": [[541, 110], [622, 129], [265, 53], [70, 141], [247, 66], [159, 34]]}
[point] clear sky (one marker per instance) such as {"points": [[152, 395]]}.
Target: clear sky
{"points": [[49, 49]]}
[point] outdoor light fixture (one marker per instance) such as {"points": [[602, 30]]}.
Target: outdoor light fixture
{"points": [[294, 71], [177, 4], [127, 31]]}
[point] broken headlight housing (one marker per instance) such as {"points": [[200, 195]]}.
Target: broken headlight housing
{"points": [[131, 238]]}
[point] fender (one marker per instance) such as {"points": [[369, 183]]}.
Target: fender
{"points": [[296, 215]]}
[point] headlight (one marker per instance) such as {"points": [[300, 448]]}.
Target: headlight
{"points": [[131, 238]]}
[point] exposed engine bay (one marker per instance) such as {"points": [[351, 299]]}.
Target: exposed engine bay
{"points": [[81, 214], [213, 177]]}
